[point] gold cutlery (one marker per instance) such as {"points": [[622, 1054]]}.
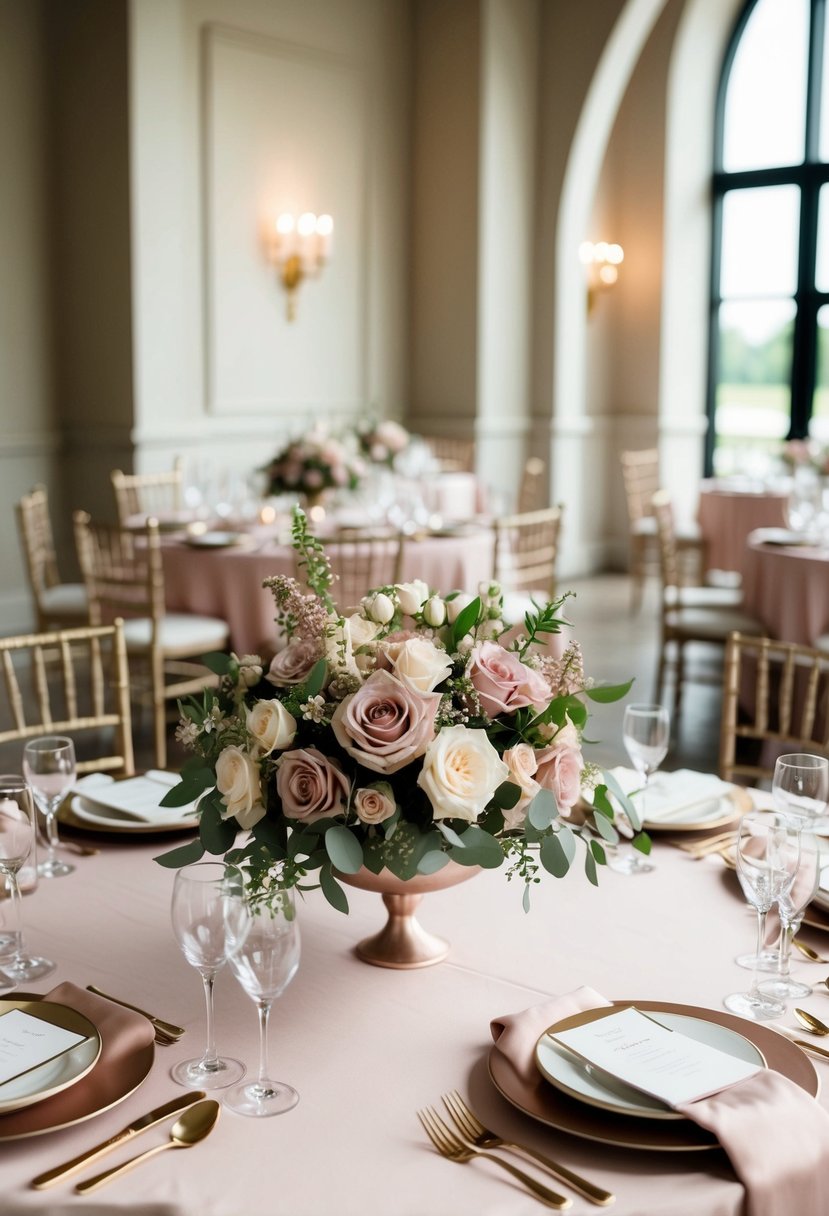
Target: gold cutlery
{"points": [[167, 1029], [811, 1023], [127, 1133], [471, 1128], [813, 1047], [808, 952], [711, 845], [197, 1122], [453, 1149]]}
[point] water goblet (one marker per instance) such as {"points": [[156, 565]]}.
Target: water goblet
{"points": [[210, 920], [800, 787], [264, 965], [791, 905], [646, 732], [49, 767], [18, 826], [767, 856]]}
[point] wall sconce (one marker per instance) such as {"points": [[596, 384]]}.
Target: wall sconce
{"points": [[602, 261], [299, 248]]}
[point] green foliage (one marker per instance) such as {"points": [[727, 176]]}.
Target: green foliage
{"points": [[184, 855], [604, 694]]}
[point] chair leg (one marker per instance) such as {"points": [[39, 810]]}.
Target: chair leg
{"points": [[159, 711], [637, 573], [680, 676], [660, 670]]}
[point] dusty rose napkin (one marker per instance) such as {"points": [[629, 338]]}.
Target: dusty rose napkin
{"points": [[775, 1134], [122, 1034]]}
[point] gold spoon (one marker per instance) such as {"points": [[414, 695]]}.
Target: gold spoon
{"points": [[196, 1123], [811, 1022], [808, 952]]}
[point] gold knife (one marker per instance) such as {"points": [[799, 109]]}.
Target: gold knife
{"points": [[128, 1133], [813, 1047]]}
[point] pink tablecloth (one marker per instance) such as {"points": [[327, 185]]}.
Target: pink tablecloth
{"points": [[788, 590], [227, 583], [727, 516]]}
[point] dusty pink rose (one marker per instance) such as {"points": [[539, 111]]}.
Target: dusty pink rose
{"points": [[310, 786], [385, 724], [522, 762], [503, 683], [292, 665], [559, 770]]}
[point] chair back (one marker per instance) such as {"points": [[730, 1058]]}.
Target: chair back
{"points": [[640, 473], [663, 512], [35, 529], [455, 455], [122, 569], [359, 562], [147, 494], [532, 492], [774, 693], [526, 548], [79, 684]]}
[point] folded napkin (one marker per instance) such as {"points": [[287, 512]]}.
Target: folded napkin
{"points": [[775, 1134], [123, 1033], [136, 799], [673, 796]]}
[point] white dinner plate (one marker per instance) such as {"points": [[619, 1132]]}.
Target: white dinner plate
{"points": [[217, 540], [707, 813], [588, 1084], [82, 812], [57, 1074], [781, 536]]}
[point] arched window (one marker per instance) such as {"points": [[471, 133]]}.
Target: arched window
{"points": [[769, 349]]}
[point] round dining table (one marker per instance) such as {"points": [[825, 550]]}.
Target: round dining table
{"points": [[787, 588], [225, 579], [729, 510]]}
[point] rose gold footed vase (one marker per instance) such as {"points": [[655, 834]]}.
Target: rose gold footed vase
{"points": [[403, 943]]}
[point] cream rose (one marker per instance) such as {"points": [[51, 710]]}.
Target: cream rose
{"points": [[310, 786], [420, 664], [455, 607], [375, 803], [461, 771], [238, 782], [361, 631], [522, 762], [271, 726], [411, 596], [385, 724]]}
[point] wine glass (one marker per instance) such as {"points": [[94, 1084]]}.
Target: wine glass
{"points": [[264, 965], [800, 787], [18, 826], [646, 731], [210, 919], [49, 767], [767, 856], [791, 905]]}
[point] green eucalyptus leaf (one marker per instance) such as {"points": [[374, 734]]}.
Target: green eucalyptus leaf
{"points": [[466, 620], [184, 855], [316, 679], [217, 834], [489, 853], [344, 849], [332, 891], [433, 861], [567, 840], [553, 857], [623, 799], [217, 662], [590, 868], [506, 795], [642, 842], [374, 854], [598, 852], [525, 898], [449, 833], [602, 803], [606, 829], [190, 787], [543, 809], [604, 694]]}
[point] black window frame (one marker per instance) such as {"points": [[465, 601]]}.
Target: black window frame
{"points": [[809, 176]]}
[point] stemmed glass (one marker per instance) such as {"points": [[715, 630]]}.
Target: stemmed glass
{"points": [[18, 826], [800, 787], [49, 767], [768, 856], [210, 920], [791, 905], [264, 965], [646, 731]]}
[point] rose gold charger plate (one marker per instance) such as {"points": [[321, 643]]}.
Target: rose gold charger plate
{"points": [[98, 1091], [541, 1101]]}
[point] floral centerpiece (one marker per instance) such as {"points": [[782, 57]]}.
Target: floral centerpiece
{"points": [[413, 732], [315, 462], [805, 454], [381, 442]]}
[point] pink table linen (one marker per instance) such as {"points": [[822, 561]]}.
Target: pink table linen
{"points": [[726, 516], [367, 1047], [227, 583], [788, 590]]}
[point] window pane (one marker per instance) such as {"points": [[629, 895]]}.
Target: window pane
{"points": [[823, 149], [759, 241], [753, 391], [819, 425], [822, 262], [765, 102]]}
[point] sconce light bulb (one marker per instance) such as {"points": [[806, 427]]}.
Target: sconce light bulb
{"points": [[285, 223], [608, 274], [325, 225], [615, 254], [306, 224], [586, 252]]}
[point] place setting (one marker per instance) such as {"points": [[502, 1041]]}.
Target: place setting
{"points": [[130, 806]]}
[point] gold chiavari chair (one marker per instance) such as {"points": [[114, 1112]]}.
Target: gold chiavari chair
{"points": [[532, 492], [147, 494], [125, 577], [524, 562], [84, 692], [359, 562], [774, 693], [455, 455], [56, 603]]}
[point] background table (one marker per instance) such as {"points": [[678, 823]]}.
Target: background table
{"points": [[227, 582], [728, 513], [367, 1047], [788, 590]]}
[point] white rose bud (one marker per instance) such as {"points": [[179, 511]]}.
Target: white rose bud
{"points": [[411, 596], [382, 609], [456, 606], [434, 611]]}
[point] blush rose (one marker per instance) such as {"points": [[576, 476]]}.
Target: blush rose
{"points": [[385, 724], [310, 786], [503, 683]]}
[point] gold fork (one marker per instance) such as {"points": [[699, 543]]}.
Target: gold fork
{"points": [[471, 1128], [711, 844], [449, 1146]]}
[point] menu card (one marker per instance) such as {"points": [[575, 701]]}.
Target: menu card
{"points": [[26, 1042], [664, 1063]]}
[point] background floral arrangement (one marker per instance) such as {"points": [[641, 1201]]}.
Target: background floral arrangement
{"points": [[805, 453], [317, 461], [405, 735], [380, 442]]}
